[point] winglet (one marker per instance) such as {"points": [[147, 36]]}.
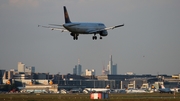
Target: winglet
{"points": [[66, 16]]}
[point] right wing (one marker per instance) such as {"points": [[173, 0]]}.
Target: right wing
{"points": [[103, 29], [108, 28], [55, 28]]}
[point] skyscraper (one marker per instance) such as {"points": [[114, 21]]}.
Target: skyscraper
{"points": [[77, 69], [112, 69]]}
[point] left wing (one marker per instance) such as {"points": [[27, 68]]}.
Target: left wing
{"points": [[107, 28], [55, 28]]}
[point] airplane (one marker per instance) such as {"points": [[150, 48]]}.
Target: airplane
{"points": [[97, 90], [77, 28], [165, 90], [136, 91]]}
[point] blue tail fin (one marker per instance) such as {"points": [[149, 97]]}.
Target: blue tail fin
{"points": [[66, 16]]}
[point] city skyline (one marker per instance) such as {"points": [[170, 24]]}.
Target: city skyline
{"points": [[147, 44], [78, 70]]}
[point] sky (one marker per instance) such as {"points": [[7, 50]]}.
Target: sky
{"points": [[149, 43]]}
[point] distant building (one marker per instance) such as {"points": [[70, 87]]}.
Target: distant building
{"points": [[14, 70], [40, 76], [130, 73], [105, 71], [22, 76], [23, 68], [112, 69], [30, 69], [1, 75], [8, 75], [77, 69], [176, 76], [89, 72]]}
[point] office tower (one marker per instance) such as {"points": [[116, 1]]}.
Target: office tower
{"points": [[21, 67], [112, 69], [77, 69]]}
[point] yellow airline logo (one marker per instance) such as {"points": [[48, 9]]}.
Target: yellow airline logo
{"points": [[66, 15]]}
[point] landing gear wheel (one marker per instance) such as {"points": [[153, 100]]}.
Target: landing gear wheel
{"points": [[100, 37], [75, 37], [94, 37]]}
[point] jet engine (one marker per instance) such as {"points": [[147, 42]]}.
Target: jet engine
{"points": [[72, 34], [103, 33]]}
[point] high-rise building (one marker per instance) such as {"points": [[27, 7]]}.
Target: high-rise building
{"points": [[21, 67], [77, 69], [112, 69]]}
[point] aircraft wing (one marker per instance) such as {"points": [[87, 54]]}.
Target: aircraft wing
{"points": [[55, 28], [107, 28]]}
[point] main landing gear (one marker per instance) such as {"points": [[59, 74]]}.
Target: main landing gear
{"points": [[95, 37], [75, 37]]}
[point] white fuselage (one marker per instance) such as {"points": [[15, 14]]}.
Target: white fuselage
{"points": [[83, 28], [136, 91], [98, 89]]}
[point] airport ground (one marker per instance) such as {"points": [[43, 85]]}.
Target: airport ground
{"points": [[86, 97]]}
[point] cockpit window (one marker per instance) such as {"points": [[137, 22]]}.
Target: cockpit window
{"points": [[101, 24]]}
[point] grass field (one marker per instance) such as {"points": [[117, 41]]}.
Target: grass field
{"points": [[86, 97]]}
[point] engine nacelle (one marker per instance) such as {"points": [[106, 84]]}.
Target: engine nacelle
{"points": [[72, 34], [103, 33]]}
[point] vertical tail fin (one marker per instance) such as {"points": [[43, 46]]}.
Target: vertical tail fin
{"points": [[66, 16], [162, 86]]}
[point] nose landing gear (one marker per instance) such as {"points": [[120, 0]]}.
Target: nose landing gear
{"points": [[100, 37]]}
